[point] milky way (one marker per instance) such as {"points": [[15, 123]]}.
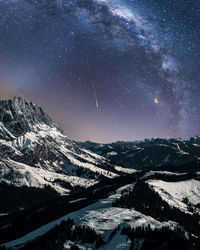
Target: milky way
{"points": [[96, 66]]}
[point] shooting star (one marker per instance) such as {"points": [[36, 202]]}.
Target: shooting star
{"points": [[92, 84]]}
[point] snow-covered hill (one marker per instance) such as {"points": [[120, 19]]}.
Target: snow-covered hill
{"points": [[184, 195]]}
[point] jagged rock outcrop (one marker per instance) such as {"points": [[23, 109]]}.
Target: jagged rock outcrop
{"points": [[19, 116]]}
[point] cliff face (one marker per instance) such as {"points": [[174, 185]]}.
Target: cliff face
{"points": [[20, 116]]}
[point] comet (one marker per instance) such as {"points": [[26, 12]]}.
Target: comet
{"points": [[92, 84]]}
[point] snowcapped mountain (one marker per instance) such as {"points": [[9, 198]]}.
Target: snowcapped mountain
{"points": [[34, 152], [149, 153]]}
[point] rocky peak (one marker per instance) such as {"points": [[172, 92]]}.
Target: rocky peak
{"points": [[19, 116]]}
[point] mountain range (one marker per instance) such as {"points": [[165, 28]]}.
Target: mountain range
{"points": [[148, 153], [124, 195]]}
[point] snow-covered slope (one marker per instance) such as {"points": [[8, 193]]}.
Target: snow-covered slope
{"points": [[184, 195], [35, 152], [20, 174]]}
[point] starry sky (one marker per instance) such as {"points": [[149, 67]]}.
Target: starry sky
{"points": [[105, 70]]}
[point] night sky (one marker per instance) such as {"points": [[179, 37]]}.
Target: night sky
{"points": [[105, 70]]}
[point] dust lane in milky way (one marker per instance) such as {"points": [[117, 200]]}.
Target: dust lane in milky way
{"points": [[105, 70]]}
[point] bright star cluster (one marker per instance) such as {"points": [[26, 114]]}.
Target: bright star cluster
{"points": [[105, 70]]}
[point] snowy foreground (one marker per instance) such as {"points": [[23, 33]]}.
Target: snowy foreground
{"points": [[104, 219]]}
